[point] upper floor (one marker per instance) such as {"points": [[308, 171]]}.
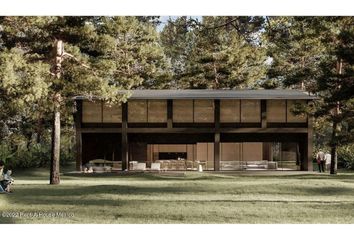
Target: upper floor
{"points": [[199, 108]]}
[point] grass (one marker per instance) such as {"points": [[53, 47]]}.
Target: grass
{"points": [[182, 198]]}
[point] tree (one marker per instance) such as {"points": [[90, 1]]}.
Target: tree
{"points": [[219, 52], [178, 40], [336, 83], [295, 49], [225, 56], [68, 56], [316, 53]]}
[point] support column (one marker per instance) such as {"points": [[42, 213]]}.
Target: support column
{"points": [[124, 144], [169, 113], [78, 137], [309, 145], [217, 135], [266, 151]]}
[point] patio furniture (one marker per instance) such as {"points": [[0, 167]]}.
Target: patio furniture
{"points": [[133, 165], [189, 165], [257, 164], [98, 169], [165, 164], [173, 165], [230, 165], [141, 167], [100, 165], [272, 165], [155, 166], [137, 166], [201, 165], [117, 166]]}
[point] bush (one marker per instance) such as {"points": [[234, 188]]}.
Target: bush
{"points": [[6, 152], [346, 157], [34, 154]]}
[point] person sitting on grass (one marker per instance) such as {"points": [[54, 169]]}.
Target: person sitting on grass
{"points": [[8, 181], [5, 179], [2, 190]]}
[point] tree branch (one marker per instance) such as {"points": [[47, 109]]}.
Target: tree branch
{"points": [[222, 25], [66, 54], [76, 59]]}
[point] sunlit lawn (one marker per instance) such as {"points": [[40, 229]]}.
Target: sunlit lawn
{"points": [[181, 198]]}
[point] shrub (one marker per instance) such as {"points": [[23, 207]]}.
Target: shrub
{"points": [[346, 157], [6, 152], [34, 154]]}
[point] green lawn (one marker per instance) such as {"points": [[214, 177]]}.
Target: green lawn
{"points": [[182, 198]]}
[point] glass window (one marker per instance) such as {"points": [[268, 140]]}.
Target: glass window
{"points": [[91, 112], [230, 111], [157, 111], [230, 156], [230, 151], [252, 151], [112, 113], [276, 111], [183, 111], [291, 116], [204, 111], [250, 111], [205, 155], [210, 162], [137, 111]]}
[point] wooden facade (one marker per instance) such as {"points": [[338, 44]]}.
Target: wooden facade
{"points": [[223, 128]]}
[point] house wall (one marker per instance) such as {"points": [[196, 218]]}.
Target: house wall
{"points": [[244, 128]]}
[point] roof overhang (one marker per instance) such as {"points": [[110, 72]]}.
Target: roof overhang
{"points": [[216, 94]]}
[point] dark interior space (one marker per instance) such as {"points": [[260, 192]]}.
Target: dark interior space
{"points": [[170, 138], [101, 146], [172, 155]]}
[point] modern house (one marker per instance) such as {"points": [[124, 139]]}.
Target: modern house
{"points": [[189, 129]]}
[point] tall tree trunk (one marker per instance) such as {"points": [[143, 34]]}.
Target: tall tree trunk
{"points": [[39, 129], [334, 150], [54, 169], [216, 80], [55, 158], [303, 66], [335, 127]]}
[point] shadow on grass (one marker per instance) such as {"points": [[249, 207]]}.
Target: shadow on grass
{"points": [[46, 194], [43, 174], [64, 196], [329, 191], [181, 176], [7, 220]]}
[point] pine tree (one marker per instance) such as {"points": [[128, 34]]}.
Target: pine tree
{"points": [[53, 59], [178, 40], [336, 82], [316, 54], [219, 52], [295, 49], [225, 55]]}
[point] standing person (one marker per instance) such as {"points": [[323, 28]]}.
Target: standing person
{"points": [[328, 158], [320, 161], [1, 176]]}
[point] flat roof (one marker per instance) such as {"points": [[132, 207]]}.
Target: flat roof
{"points": [[217, 94]]}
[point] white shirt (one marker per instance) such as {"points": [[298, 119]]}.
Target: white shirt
{"points": [[1, 174], [320, 155], [328, 158]]}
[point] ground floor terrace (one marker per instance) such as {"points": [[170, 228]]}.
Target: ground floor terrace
{"points": [[193, 151]]}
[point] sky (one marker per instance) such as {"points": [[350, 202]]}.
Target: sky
{"points": [[164, 20]]}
